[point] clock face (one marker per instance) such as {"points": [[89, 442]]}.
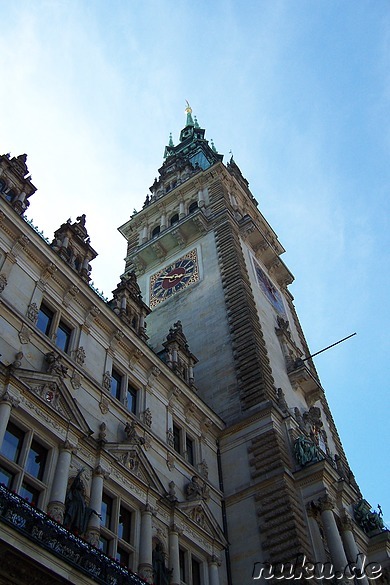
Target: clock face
{"points": [[269, 290], [174, 278]]}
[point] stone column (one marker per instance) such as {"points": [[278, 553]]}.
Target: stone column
{"points": [[181, 210], [314, 528], [174, 560], [214, 563], [351, 546], [201, 202], [145, 567], [6, 403], [333, 538], [163, 221], [95, 503], [56, 506]]}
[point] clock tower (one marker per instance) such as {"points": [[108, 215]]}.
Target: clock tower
{"points": [[205, 255]]}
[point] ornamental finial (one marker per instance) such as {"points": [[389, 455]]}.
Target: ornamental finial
{"points": [[188, 110]]}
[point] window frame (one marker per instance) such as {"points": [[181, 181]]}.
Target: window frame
{"points": [[181, 440], [21, 476], [110, 534], [57, 319]]}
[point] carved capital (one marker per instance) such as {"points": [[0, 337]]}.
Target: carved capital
{"points": [[346, 522], [100, 472], [176, 528], [7, 398], [214, 560], [68, 446], [326, 502]]}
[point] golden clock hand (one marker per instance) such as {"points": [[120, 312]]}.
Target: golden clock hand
{"points": [[172, 277]]}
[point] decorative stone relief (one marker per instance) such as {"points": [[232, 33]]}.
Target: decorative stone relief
{"points": [[147, 417], [51, 395], [199, 517], [107, 380], [104, 405], [32, 312], [3, 282], [102, 437], [170, 438], [172, 492], [24, 334], [79, 355], [55, 365], [130, 459], [281, 400], [76, 380], [170, 461], [18, 360], [196, 489], [203, 469], [132, 437]]}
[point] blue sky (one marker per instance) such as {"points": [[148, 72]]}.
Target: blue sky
{"points": [[299, 90]]}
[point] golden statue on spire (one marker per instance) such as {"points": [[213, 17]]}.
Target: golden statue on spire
{"points": [[188, 109]]}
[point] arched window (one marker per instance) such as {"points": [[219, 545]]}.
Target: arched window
{"points": [[156, 231], [193, 206], [174, 219], [2, 186]]}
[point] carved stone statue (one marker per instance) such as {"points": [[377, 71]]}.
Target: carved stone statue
{"points": [[77, 513], [131, 434], [306, 451], [366, 518], [196, 489]]}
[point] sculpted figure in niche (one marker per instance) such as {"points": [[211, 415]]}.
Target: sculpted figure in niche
{"points": [[77, 513]]}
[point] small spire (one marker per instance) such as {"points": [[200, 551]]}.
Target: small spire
{"points": [[188, 110], [196, 122], [170, 143], [213, 146]]}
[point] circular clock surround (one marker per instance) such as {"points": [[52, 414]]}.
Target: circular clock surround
{"points": [[174, 278]]}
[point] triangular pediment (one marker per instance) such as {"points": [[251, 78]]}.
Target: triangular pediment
{"points": [[133, 458], [199, 513], [51, 391]]}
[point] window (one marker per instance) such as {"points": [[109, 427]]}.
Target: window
{"points": [[190, 568], [182, 563], [117, 530], [174, 219], [45, 319], [156, 231], [183, 444], [195, 566], [189, 450], [2, 186], [63, 336], [132, 399], [49, 322], [193, 206], [176, 438], [10, 195], [116, 384], [23, 460]]}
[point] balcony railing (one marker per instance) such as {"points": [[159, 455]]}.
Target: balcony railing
{"points": [[46, 533]]}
